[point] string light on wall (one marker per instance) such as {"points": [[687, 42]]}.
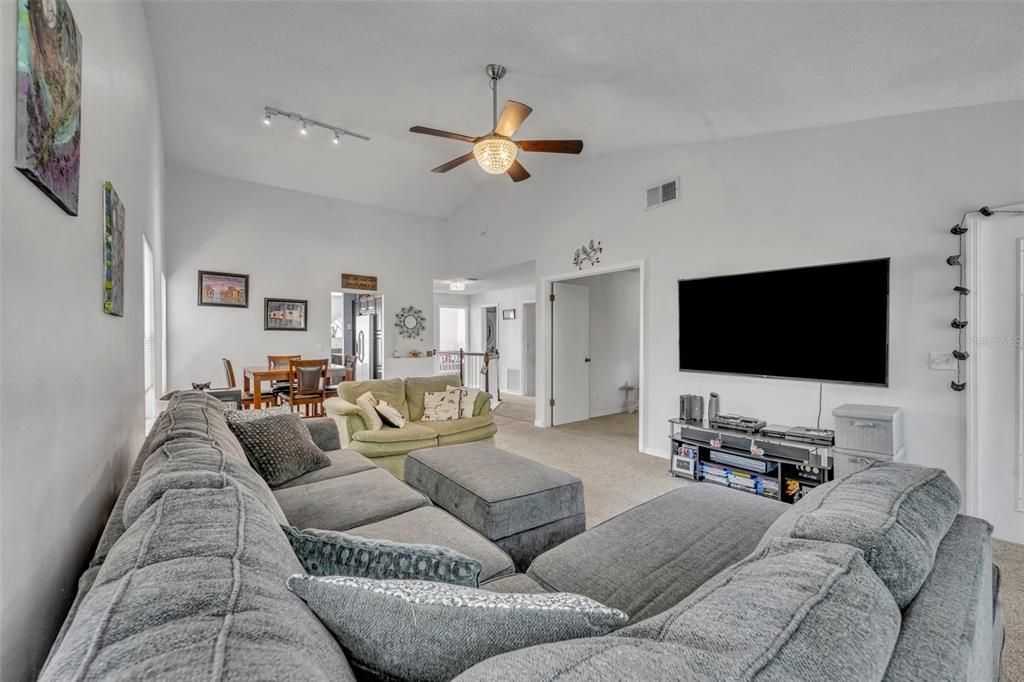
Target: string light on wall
{"points": [[959, 323], [305, 122]]}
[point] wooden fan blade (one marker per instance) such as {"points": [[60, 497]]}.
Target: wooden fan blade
{"points": [[454, 163], [511, 118], [441, 133], [552, 146], [517, 172]]}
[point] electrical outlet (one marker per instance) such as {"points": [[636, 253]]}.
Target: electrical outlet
{"points": [[942, 361]]}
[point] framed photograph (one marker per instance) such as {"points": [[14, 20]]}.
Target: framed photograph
{"points": [[284, 314], [113, 252], [223, 289], [508, 314], [48, 115]]}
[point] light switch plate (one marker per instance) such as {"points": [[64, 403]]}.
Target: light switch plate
{"points": [[942, 361]]}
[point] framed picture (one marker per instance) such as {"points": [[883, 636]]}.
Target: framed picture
{"points": [[284, 314], [113, 252], [223, 289], [508, 314], [48, 115]]}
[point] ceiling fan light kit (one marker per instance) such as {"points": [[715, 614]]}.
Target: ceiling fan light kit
{"points": [[496, 151]]}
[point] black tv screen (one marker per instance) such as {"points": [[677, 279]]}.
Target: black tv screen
{"points": [[824, 323]]}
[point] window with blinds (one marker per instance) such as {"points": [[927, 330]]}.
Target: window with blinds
{"points": [[149, 317]]}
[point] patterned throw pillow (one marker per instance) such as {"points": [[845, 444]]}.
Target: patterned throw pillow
{"points": [[390, 415], [418, 630], [440, 406], [278, 446], [467, 399], [328, 552], [368, 404]]}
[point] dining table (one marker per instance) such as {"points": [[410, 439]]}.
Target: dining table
{"points": [[254, 376]]}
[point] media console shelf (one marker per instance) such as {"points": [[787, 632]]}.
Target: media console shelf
{"points": [[772, 467]]}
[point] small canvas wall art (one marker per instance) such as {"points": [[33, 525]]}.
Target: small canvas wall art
{"points": [[49, 93], [113, 252], [284, 314], [223, 289]]}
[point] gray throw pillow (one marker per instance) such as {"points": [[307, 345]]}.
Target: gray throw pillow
{"points": [[897, 514], [329, 552], [278, 446], [416, 630]]}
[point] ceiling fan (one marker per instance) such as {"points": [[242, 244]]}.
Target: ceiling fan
{"points": [[496, 152]]}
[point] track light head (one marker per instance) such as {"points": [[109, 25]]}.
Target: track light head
{"points": [[957, 387], [958, 230], [961, 355], [953, 260], [985, 211], [304, 130], [958, 323], [266, 117], [963, 291], [337, 137]]}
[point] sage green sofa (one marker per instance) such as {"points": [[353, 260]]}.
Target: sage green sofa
{"points": [[388, 446]]}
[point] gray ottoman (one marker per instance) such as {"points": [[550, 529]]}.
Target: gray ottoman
{"points": [[522, 506]]}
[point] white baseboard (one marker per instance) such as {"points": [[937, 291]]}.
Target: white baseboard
{"points": [[617, 410], [655, 453]]}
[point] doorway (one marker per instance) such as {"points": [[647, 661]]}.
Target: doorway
{"points": [[529, 348], [596, 347], [995, 372], [490, 328]]}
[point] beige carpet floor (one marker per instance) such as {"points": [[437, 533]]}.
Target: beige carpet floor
{"points": [[603, 453]]}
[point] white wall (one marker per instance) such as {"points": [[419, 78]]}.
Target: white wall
{"points": [[72, 414], [292, 245], [889, 187], [614, 339], [510, 332]]}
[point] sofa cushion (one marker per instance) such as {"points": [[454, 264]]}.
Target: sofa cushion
{"points": [[494, 491], [796, 609], [278, 446], [416, 389], [436, 527], [651, 557], [390, 390], [343, 463], [520, 583], [410, 432], [348, 501], [182, 464], [483, 433], [947, 630], [896, 513], [418, 630], [194, 415], [331, 552], [195, 588], [324, 432], [459, 425]]}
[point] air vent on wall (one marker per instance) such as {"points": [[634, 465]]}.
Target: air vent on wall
{"points": [[660, 195]]}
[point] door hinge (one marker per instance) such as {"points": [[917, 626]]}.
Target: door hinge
{"points": [[552, 298], [552, 402]]}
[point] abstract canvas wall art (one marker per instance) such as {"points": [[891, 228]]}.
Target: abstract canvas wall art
{"points": [[49, 107], [113, 252]]}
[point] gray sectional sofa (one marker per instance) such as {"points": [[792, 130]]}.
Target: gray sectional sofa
{"points": [[188, 579]]}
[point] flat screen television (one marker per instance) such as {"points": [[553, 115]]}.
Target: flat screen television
{"points": [[822, 323]]}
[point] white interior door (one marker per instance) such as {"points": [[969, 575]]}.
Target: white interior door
{"points": [[570, 353], [995, 345]]}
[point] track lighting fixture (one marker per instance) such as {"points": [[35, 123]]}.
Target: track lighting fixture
{"points": [[963, 291], [305, 123], [957, 387], [957, 323], [986, 211], [953, 260], [958, 230], [961, 355]]}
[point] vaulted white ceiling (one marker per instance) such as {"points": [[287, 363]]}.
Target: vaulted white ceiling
{"points": [[620, 75]]}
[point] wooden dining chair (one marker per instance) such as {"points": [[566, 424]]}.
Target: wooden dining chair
{"points": [[280, 388], [349, 363], [229, 374], [306, 385]]}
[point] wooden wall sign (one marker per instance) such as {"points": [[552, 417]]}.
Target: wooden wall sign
{"points": [[360, 282]]}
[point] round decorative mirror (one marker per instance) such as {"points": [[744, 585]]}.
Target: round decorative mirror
{"points": [[410, 322]]}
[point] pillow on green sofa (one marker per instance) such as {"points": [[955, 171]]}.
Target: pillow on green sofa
{"points": [[278, 446], [389, 414], [418, 630], [329, 552], [467, 400], [368, 405], [441, 406]]}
